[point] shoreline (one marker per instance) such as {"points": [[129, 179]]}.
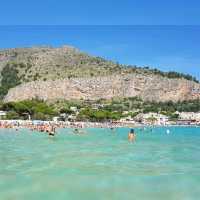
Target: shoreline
{"points": [[34, 124]]}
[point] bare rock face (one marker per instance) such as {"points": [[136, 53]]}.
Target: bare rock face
{"points": [[149, 88], [67, 73]]}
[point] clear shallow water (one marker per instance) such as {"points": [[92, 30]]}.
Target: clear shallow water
{"points": [[101, 164]]}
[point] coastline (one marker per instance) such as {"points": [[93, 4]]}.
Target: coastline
{"points": [[35, 124]]}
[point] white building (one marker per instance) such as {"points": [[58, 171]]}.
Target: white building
{"points": [[2, 114], [153, 118], [73, 108], [56, 119], [125, 119], [189, 116]]}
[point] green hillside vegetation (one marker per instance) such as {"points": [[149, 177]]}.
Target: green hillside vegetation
{"points": [[173, 74], [37, 109], [9, 79], [46, 63], [96, 111], [89, 114]]}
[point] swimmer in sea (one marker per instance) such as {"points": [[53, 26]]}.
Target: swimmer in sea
{"points": [[131, 135], [52, 131], [51, 134], [113, 130], [78, 131]]}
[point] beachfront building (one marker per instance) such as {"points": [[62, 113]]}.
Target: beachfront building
{"points": [[152, 118], [2, 114], [71, 118], [56, 119], [190, 116], [126, 119]]}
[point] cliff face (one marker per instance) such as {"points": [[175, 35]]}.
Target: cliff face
{"points": [[67, 73], [151, 88]]}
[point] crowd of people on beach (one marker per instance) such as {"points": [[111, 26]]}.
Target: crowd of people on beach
{"points": [[44, 125], [50, 127], [40, 127]]}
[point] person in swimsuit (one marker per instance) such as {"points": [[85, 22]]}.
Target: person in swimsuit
{"points": [[52, 131], [131, 135]]}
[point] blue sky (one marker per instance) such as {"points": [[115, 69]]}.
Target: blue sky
{"points": [[164, 47], [95, 12], [138, 42]]}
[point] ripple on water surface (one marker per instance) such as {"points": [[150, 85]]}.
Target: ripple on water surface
{"points": [[101, 164]]}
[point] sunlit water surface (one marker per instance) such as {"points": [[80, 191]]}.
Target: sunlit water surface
{"points": [[101, 164]]}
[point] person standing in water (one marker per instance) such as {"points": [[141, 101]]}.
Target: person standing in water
{"points": [[52, 131], [131, 135]]}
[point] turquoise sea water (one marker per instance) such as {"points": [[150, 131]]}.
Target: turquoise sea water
{"points": [[101, 164]]}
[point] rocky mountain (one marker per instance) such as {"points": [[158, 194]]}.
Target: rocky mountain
{"points": [[47, 63], [67, 73]]}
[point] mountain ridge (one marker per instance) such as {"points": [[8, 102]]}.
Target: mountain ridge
{"points": [[21, 68]]}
